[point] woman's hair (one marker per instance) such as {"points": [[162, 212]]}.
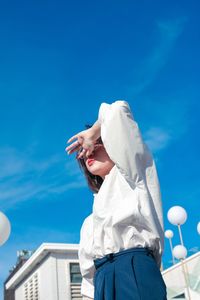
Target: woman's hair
{"points": [[94, 181]]}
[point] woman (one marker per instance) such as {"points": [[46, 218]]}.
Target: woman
{"points": [[122, 240]]}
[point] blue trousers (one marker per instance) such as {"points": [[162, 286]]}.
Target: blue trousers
{"points": [[128, 275]]}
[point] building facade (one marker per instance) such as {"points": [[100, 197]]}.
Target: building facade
{"points": [[52, 273], [183, 279]]}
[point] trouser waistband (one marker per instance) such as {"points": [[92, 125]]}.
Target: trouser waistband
{"points": [[109, 257]]}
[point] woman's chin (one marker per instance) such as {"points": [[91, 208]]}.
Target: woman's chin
{"points": [[100, 169], [95, 170], [99, 172]]}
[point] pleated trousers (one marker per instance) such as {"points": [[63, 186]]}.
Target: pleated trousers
{"points": [[129, 275]]}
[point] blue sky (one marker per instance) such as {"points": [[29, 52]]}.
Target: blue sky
{"points": [[61, 59]]}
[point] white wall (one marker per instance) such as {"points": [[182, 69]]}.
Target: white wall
{"points": [[63, 272], [19, 293], [53, 278], [46, 280]]}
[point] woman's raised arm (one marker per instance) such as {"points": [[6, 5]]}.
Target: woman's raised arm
{"points": [[122, 140]]}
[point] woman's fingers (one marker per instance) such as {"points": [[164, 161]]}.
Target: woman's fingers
{"points": [[82, 153], [73, 147], [88, 153], [72, 138], [83, 139], [72, 151]]}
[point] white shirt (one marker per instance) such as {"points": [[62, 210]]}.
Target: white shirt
{"points": [[127, 210]]}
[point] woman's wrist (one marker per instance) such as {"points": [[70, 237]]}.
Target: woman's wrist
{"points": [[96, 130]]}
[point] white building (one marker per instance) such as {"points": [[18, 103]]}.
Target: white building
{"points": [[175, 279], [52, 273]]}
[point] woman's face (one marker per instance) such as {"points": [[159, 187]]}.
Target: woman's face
{"points": [[99, 163]]}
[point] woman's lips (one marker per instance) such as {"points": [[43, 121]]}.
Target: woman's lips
{"points": [[90, 162]]}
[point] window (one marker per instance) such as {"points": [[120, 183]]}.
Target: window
{"points": [[75, 274], [75, 279]]}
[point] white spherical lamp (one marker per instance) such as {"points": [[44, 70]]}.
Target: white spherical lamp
{"points": [[169, 234], [198, 228], [177, 215], [180, 252], [5, 228]]}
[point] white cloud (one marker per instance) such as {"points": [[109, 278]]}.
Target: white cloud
{"points": [[13, 162], [24, 177], [65, 187], [194, 249], [157, 139], [167, 33], [168, 119]]}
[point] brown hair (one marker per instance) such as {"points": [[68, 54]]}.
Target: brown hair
{"points": [[94, 181]]}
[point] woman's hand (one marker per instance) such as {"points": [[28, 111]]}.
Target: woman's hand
{"points": [[85, 140]]}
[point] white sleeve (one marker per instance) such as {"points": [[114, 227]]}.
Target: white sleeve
{"points": [[122, 140], [86, 258]]}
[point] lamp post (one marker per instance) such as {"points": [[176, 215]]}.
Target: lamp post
{"points": [[169, 235], [5, 228], [180, 252], [177, 216]]}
